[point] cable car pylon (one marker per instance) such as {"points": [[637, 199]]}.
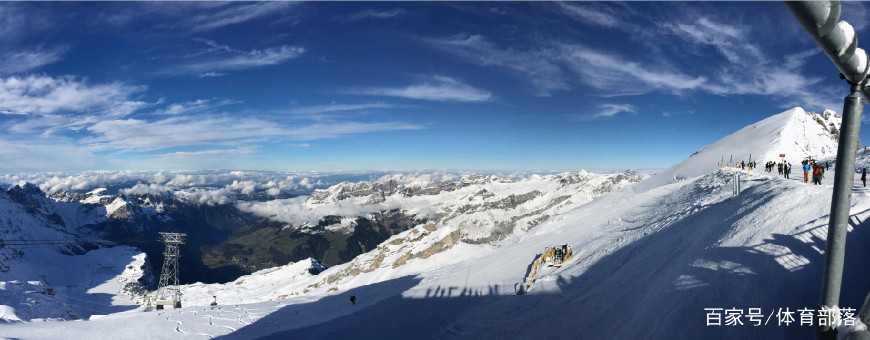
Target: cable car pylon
{"points": [[168, 293]]}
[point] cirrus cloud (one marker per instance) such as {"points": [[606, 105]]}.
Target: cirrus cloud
{"points": [[437, 88], [139, 134]]}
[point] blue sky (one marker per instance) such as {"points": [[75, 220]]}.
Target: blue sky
{"points": [[372, 86]]}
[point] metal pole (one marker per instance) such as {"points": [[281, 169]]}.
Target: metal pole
{"points": [[835, 246], [840, 43]]}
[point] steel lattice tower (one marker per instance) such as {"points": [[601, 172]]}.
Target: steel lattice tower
{"points": [[168, 292]]}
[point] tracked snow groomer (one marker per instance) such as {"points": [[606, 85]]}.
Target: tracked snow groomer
{"points": [[550, 257]]}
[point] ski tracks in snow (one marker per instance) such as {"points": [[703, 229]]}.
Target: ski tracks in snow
{"points": [[221, 320]]}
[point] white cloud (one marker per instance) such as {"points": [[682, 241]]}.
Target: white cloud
{"points": [[335, 107], [612, 73], [608, 110], [294, 211], [207, 187], [437, 89], [236, 14], [47, 95], [211, 74], [305, 182], [750, 71], [50, 124], [219, 130], [729, 40], [24, 61], [207, 153], [374, 14], [199, 105], [539, 65], [744, 67], [241, 61], [592, 13], [197, 16]]}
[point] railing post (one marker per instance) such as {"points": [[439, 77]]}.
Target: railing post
{"points": [[841, 202]]}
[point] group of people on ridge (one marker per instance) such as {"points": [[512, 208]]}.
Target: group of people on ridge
{"points": [[742, 165], [818, 171], [784, 168], [813, 172]]}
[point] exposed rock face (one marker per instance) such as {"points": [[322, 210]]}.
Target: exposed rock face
{"points": [[268, 243], [375, 192], [420, 242]]}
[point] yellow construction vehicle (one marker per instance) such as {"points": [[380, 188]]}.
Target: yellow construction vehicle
{"points": [[550, 257]]}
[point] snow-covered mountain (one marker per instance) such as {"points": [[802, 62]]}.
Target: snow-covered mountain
{"points": [[795, 133], [485, 208], [53, 267]]}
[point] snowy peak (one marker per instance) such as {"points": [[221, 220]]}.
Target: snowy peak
{"points": [[808, 134], [795, 133]]}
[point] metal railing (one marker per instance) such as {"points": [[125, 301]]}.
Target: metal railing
{"points": [[838, 40]]}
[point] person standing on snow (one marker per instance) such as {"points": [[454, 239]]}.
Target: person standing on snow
{"points": [[806, 171], [864, 177], [353, 299], [787, 169]]}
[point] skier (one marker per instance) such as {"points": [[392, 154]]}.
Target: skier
{"points": [[827, 165], [806, 171], [787, 170], [779, 168], [864, 177], [353, 299]]}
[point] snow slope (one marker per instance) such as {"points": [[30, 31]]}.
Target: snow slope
{"points": [[795, 133]]}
